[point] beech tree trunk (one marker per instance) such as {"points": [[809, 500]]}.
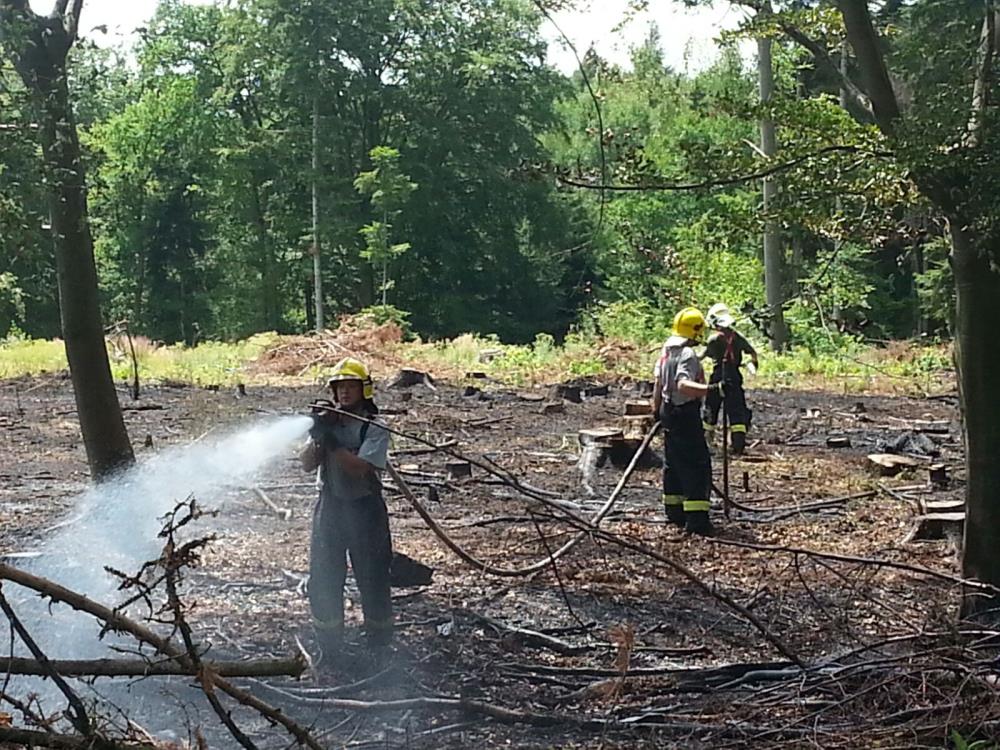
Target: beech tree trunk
{"points": [[38, 47], [316, 248], [774, 262], [977, 321]]}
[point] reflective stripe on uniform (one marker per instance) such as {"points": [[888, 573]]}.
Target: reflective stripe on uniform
{"points": [[673, 499], [708, 427], [694, 506], [737, 428]]}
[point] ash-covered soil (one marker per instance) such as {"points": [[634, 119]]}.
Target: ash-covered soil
{"points": [[644, 597]]}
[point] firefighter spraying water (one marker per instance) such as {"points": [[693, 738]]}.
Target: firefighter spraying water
{"points": [[350, 516]]}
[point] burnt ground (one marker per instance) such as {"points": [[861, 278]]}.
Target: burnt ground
{"points": [[886, 665]]}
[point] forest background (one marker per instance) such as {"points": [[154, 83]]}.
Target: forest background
{"points": [[454, 181]]}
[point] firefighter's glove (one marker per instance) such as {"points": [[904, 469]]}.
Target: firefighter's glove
{"points": [[324, 420], [719, 388]]}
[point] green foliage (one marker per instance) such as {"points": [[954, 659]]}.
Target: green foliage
{"points": [[388, 189], [936, 286], [959, 742]]}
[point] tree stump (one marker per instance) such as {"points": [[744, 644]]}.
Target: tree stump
{"points": [[596, 390], [407, 378], [458, 469], [942, 506], [599, 436], [933, 526], [636, 408], [937, 476], [636, 426], [889, 464], [839, 441], [568, 393]]}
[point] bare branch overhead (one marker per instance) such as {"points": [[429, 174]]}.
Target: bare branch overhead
{"points": [[863, 39], [857, 100], [981, 86]]}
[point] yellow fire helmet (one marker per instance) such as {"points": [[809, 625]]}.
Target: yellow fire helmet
{"points": [[689, 323], [353, 369]]}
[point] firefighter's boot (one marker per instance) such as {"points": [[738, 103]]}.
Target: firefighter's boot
{"points": [[673, 506], [696, 518], [738, 440], [330, 641]]}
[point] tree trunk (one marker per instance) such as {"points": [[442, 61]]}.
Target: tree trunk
{"points": [[39, 49], [317, 258], [773, 260], [978, 320]]}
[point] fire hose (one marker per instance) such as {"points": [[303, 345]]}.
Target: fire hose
{"points": [[532, 492]]}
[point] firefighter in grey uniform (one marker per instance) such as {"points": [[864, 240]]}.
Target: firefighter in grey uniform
{"points": [[677, 397], [350, 516]]}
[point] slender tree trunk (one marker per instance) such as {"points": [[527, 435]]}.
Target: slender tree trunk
{"points": [[317, 257], [773, 259], [978, 319], [40, 50]]}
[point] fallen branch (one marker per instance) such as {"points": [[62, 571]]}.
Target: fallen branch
{"points": [[548, 560], [35, 738], [77, 711], [530, 637], [138, 668], [434, 448], [118, 622], [919, 570], [285, 513]]}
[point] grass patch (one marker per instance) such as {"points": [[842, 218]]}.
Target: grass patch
{"points": [[208, 363], [31, 357]]}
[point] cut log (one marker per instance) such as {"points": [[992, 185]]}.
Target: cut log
{"points": [[839, 441], [568, 393], [637, 408], [889, 464], [458, 469], [553, 407], [476, 375], [534, 398], [623, 449], [594, 391], [932, 526], [602, 436]]}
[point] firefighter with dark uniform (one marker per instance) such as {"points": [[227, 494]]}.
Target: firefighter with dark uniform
{"points": [[350, 516], [677, 398], [726, 348]]}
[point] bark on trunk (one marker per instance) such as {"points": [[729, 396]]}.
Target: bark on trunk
{"points": [[978, 318], [316, 248], [773, 259], [40, 50]]}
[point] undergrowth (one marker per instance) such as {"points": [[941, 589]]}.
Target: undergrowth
{"points": [[899, 367]]}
